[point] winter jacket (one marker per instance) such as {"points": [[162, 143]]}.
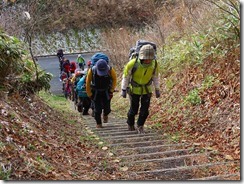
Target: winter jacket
{"points": [[81, 88], [72, 67], [142, 78], [80, 60]]}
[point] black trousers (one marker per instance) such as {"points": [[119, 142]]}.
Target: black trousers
{"points": [[101, 104], [135, 101], [85, 102], [81, 65]]}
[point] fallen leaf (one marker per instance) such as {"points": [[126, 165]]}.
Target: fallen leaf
{"points": [[196, 144], [228, 157], [110, 154], [124, 168], [116, 161], [210, 149]]}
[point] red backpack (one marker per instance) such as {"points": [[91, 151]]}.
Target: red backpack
{"points": [[72, 66]]}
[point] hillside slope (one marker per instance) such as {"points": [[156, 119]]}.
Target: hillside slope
{"points": [[38, 142]]}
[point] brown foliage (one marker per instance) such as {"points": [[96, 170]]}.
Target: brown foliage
{"points": [[214, 123], [38, 143], [51, 16]]}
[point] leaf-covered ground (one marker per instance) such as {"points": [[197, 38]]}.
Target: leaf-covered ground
{"points": [[39, 143], [212, 124]]}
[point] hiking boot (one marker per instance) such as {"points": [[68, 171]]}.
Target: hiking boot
{"points": [[105, 119], [99, 126], [85, 113], [140, 130], [131, 128], [80, 108]]}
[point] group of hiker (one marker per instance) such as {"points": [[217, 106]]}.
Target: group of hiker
{"points": [[94, 86], [70, 73]]}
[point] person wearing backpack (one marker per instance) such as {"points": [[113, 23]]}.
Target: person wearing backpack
{"points": [[66, 67], [72, 67], [138, 76], [84, 102], [95, 57], [100, 84], [60, 54], [75, 79], [81, 61]]}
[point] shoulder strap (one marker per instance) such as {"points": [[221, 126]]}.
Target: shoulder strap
{"points": [[93, 70], [110, 68], [135, 66], [84, 85]]}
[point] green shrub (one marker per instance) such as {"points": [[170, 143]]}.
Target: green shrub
{"points": [[18, 73], [10, 56], [208, 82], [193, 97]]}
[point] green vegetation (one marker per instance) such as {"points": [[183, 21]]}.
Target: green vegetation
{"points": [[193, 97], [56, 101], [17, 70], [44, 166], [5, 173]]}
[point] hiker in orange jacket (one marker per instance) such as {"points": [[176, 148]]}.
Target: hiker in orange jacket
{"points": [[100, 84]]}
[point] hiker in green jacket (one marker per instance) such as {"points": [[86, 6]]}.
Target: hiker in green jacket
{"points": [[139, 74], [81, 61]]}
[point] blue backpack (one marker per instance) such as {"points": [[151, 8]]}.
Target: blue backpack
{"points": [[98, 56]]}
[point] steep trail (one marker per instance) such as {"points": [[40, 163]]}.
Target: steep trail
{"points": [[152, 156]]}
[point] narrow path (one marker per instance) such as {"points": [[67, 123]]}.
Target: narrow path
{"points": [[151, 156]]}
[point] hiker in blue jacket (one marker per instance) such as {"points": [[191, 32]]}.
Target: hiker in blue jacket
{"points": [[84, 102]]}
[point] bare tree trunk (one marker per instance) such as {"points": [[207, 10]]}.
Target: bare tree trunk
{"points": [[29, 40]]}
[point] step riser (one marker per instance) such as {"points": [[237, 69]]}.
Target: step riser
{"points": [[150, 157], [155, 155], [185, 173], [143, 150], [133, 139]]}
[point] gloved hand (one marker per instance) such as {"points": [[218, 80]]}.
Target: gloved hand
{"points": [[157, 93], [123, 93], [110, 95]]}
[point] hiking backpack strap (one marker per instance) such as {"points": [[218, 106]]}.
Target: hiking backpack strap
{"points": [[134, 83], [94, 73]]}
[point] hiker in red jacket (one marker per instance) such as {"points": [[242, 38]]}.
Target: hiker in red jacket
{"points": [[66, 67], [72, 67]]}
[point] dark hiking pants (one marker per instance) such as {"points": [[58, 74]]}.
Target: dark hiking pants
{"points": [[101, 104], [85, 103], [135, 101]]}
